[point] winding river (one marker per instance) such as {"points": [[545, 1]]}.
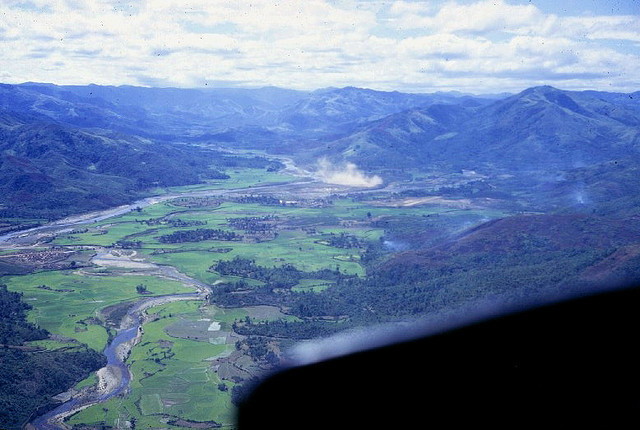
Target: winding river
{"points": [[115, 376], [33, 235]]}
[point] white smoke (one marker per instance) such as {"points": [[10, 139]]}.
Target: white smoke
{"points": [[346, 174], [581, 196]]}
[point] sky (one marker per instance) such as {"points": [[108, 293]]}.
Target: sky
{"points": [[474, 46]]}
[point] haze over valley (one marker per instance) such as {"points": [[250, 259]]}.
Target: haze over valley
{"points": [[289, 225], [195, 195]]}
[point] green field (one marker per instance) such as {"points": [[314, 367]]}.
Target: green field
{"points": [[74, 310], [172, 375], [187, 362], [241, 178]]}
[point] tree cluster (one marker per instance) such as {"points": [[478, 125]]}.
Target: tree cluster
{"points": [[128, 244], [254, 224], [14, 328], [173, 222], [199, 235], [258, 199], [344, 241], [285, 276], [29, 378]]}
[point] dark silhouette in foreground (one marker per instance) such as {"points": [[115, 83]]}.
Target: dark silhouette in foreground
{"points": [[571, 362]]}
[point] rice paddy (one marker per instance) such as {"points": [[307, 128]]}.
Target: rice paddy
{"points": [[186, 364]]}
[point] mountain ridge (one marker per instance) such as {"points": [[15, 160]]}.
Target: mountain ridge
{"points": [[540, 117], [539, 136]]}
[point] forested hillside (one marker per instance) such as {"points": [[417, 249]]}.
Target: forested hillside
{"points": [[63, 154], [30, 376], [300, 214]]}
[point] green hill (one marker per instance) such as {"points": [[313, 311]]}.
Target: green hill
{"points": [[48, 170]]}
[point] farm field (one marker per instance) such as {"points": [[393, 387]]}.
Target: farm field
{"points": [[172, 369], [71, 303], [193, 355], [195, 195]]}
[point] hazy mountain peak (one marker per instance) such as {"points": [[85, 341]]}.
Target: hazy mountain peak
{"points": [[543, 93]]}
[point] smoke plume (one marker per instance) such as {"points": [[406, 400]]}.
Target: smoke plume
{"points": [[345, 174]]}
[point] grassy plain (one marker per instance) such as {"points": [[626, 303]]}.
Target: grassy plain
{"points": [[172, 373], [240, 178], [71, 307], [175, 366]]}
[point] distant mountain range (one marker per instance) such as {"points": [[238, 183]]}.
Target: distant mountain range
{"points": [[204, 113], [68, 140], [541, 127], [555, 147]]}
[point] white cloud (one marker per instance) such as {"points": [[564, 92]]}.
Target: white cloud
{"points": [[594, 28], [413, 46], [485, 15]]}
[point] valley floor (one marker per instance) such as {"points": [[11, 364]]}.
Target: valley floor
{"points": [[264, 253]]}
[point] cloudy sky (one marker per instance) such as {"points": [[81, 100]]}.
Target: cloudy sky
{"points": [[479, 46]]}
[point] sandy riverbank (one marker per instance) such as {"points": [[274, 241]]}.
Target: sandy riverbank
{"points": [[109, 378]]}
